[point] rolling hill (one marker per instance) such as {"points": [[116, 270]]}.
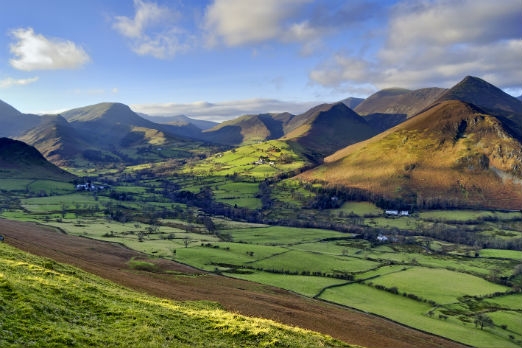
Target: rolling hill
{"points": [[452, 155], [21, 161]]}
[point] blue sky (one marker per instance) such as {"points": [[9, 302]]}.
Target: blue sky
{"points": [[223, 58]]}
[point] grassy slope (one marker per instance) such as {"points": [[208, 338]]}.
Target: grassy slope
{"points": [[49, 304]]}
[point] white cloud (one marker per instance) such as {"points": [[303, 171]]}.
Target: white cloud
{"points": [[153, 32], [437, 43], [238, 22], [9, 82], [147, 14], [36, 52], [223, 110]]}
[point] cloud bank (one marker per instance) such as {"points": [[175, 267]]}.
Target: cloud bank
{"points": [[222, 111], [9, 82], [438, 42]]}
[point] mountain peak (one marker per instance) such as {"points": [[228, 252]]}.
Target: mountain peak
{"points": [[490, 98]]}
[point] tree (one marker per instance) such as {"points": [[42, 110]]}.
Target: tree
{"points": [[482, 320], [186, 241]]}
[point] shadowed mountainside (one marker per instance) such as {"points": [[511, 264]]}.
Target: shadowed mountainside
{"points": [[19, 160], [327, 128]]}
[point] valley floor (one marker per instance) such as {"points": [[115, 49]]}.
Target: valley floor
{"points": [[180, 282]]}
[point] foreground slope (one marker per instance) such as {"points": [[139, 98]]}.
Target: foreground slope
{"points": [[19, 160], [180, 282], [452, 155], [45, 303]]}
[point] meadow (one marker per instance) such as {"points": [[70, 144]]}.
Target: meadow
{"points": [[420, 275]]}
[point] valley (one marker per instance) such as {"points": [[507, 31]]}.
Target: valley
{"points": [[399, 224]]}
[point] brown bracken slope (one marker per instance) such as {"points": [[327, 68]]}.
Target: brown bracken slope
{"points": [[110, 261]]}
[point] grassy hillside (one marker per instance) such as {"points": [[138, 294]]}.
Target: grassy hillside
{"points": [[49, 304], [259, 161], [451, 153]]}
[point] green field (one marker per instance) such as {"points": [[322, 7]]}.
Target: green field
{"points": [[439, 285], [436, 271], [306, 285], [414, 314]]}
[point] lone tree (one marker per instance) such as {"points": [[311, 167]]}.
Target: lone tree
{"points": [[482, 320]]}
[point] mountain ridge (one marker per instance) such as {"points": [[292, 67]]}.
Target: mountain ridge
{"points": [[451, 155]]}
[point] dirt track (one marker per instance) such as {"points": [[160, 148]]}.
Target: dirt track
{"points": [[109, 261]]}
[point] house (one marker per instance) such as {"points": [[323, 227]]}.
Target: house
{"points": [[397, 212], [382, 238]]}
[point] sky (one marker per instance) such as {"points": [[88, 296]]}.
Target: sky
{"points": [[220, 59]]}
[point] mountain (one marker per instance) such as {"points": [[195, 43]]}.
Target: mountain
{"points": [[399, 101], [491, 99], [115, 124], [249, 129], [14, 122], [180, 120], [327, 128], [452, 155], [352, 102], [112, 133], [56, 139], [391, 106], [519, 97], [19, 160]]}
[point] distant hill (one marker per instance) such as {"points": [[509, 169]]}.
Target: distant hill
{"points": [[392, 106], [399, 101], [180, 120], [249, 129], [327, 128], [19, 160], [352, 102], [13, 122], [108, 133], [451, 155]]}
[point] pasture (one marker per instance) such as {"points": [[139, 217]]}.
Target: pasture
{"points": [[414, 278]]}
